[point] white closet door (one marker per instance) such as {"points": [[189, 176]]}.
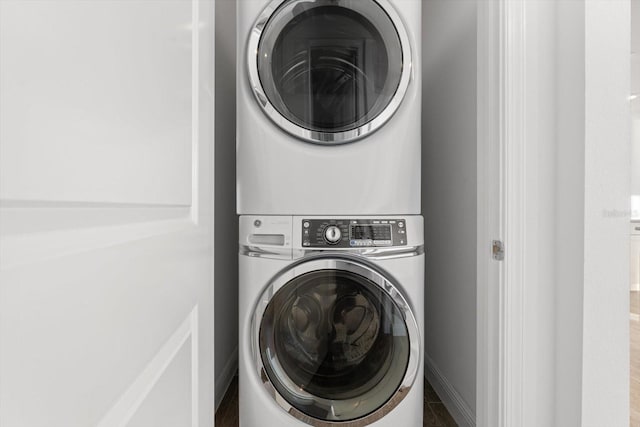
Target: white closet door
{"points": [[106, 210]]}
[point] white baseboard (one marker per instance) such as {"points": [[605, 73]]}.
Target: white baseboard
{"points": [[455, 404], [223, 381]]}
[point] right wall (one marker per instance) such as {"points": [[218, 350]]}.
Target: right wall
{"points": [[449, 178]]}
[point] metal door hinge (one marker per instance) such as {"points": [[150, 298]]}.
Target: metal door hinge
{"points": [[497, 249]]}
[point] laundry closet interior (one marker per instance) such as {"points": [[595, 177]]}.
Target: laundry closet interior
{"points": [[346, 201]]}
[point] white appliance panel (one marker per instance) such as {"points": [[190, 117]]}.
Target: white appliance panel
{"points": [[279, 173], [257, 406]]}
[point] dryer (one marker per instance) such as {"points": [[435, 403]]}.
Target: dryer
{"points": [[328, 107], [331, 321]]}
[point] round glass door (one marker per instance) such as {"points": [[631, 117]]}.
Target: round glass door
{"points": [[329, 71], [336, 346]]}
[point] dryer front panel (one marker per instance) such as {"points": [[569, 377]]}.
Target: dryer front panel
{"points": [[335, 341], [329, 71]]}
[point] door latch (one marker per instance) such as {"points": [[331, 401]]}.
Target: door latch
{"points": [[497, 249]]}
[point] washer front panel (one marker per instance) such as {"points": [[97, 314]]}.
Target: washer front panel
{"points": [[335, 342], [329, 71]]}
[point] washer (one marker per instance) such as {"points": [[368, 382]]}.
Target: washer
{"points": [[331, 321], [328, 98]]}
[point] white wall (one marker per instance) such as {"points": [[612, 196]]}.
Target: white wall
{"points": [[592, 199], [606, 239], [635, 104], [540, 181], [449, 200], [569, 215], [635, 153], [226, 222]]}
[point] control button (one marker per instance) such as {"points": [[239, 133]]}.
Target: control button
{"points": [[401, 224], [306, 224], [257, 223], [362, 242], [382, 242], [332, 234]]}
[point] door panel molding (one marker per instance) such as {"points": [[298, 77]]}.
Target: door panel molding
{"points": [[18, 219], [10, 199], [35, 230], [93, 114], [195, 110], [135, 395], [21, 250]]}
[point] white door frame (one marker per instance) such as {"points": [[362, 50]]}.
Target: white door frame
{"points": [[552, 310], [501, 211]]}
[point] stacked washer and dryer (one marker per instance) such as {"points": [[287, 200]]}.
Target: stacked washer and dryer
{"points": [[331, 238]]}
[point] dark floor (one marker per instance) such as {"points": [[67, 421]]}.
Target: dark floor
{"points": [[435, 414]]}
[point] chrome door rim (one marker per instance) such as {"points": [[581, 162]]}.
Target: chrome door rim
{"points": [[327, 138], [364, 269]]}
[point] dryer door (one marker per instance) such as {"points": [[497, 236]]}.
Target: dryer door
{"points": [[329, 71], [337, 342]]}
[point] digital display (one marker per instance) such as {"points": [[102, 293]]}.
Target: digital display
{"points": [[371, 232]]}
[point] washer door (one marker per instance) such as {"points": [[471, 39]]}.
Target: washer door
{"points": [[336, 342], [329, 71]]}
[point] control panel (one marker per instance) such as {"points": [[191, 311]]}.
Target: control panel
{"points": [[353, 233]]}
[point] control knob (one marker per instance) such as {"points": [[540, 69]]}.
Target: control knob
{"points": [[332, 234]]}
